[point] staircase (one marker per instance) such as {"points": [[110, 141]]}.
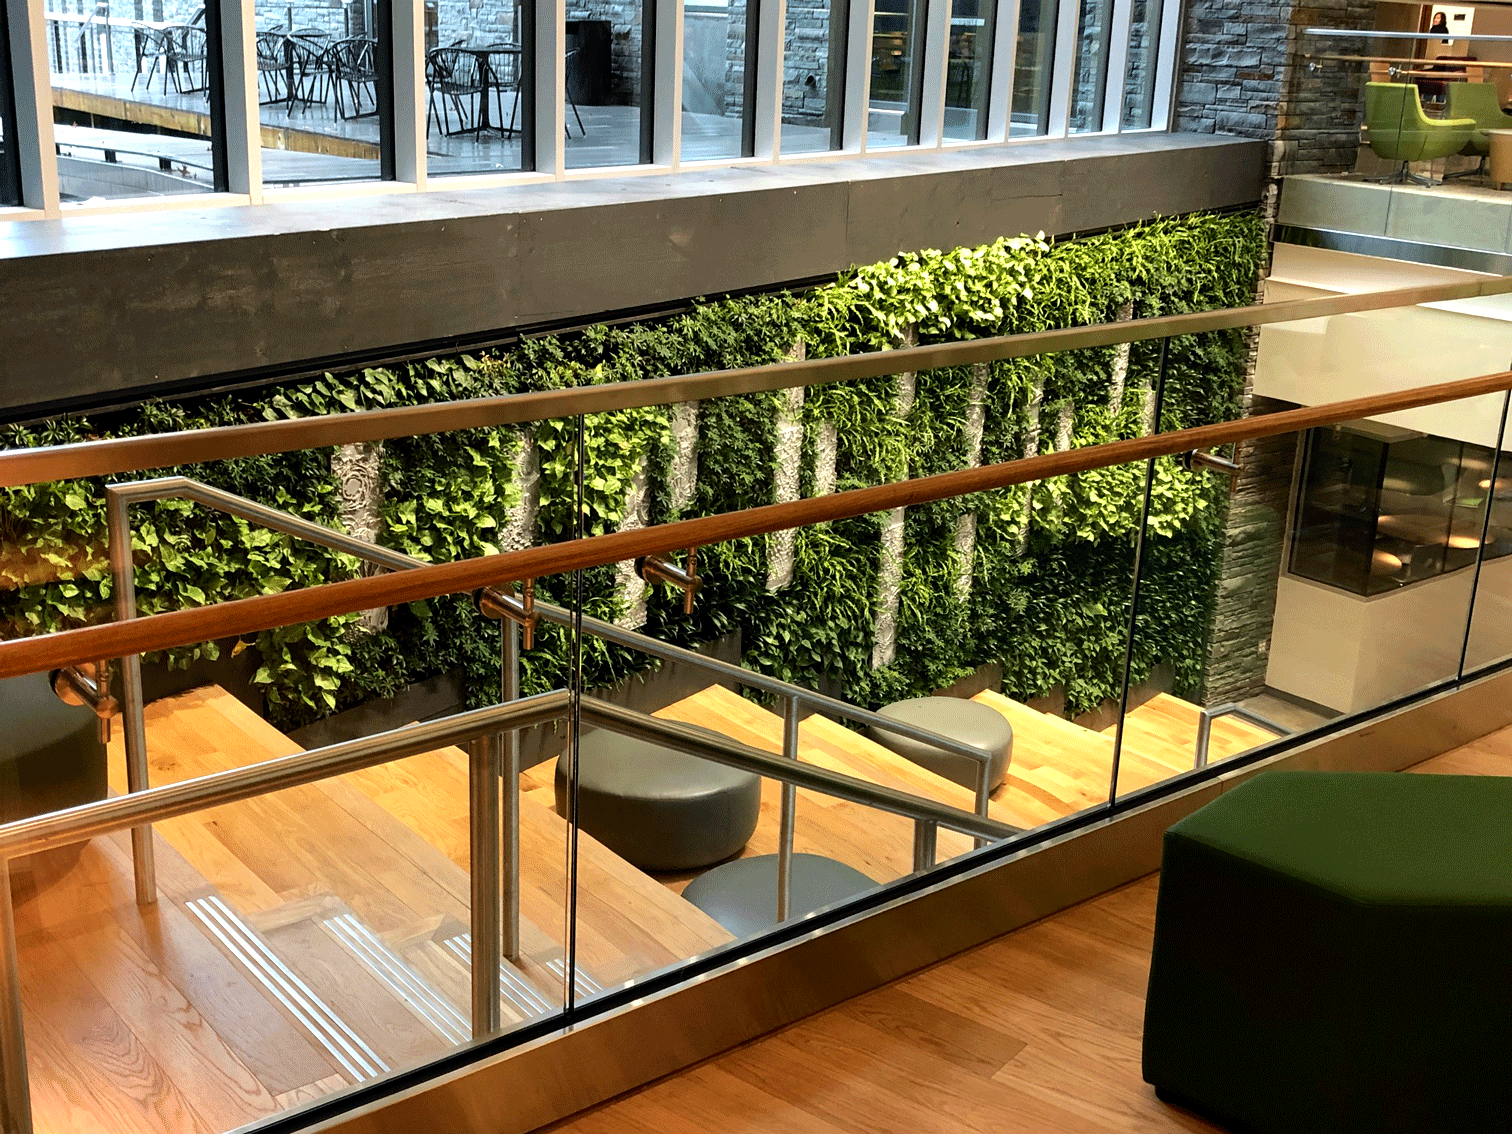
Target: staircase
{"points": [[318, 938]]}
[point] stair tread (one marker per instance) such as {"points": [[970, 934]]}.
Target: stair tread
{"points": [[338, 837]]}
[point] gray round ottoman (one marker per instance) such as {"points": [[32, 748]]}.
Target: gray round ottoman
{"points": [[656, 808], [966, 721], [742, 895]]}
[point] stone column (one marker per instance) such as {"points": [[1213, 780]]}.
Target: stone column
{"points": [[682, 477], [890, 567], [519, 529], [1031, 449], [358, 470], [786, 479], [630, 588], [966, 523]]}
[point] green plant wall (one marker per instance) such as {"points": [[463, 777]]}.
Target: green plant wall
{"points": [[1048, 600]]}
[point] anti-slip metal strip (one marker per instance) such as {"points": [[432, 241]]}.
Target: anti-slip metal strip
{"points": [[345, 1046], [374, 953]]}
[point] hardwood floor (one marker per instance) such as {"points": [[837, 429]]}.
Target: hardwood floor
{"points": [[1037, 1032]]}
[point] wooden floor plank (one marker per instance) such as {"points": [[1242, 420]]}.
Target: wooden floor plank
{"points": [[1064, 996]]}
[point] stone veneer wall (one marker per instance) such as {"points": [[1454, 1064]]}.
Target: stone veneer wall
{"points": [[806, 57], [1236, 78], [1253, 557]]}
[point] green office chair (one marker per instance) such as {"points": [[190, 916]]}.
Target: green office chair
{"points": [[1478, 101], [1400, 131]]}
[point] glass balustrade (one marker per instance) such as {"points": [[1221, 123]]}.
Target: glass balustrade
{"points": [[449, 822]]}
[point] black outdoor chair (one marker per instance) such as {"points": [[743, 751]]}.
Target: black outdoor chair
{"points": [[354, 70], [273, 66], [455, 77], [153, 48], [312, 69], [568, 61], [189, 58]]}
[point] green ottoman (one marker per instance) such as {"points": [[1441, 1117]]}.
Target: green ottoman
{"points": [[1333, 953]]}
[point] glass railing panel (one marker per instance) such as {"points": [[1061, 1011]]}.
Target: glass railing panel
{"points": [[300, 944], [1336, 565], [132, 114], [1396, 103], [1488, 489], [996, 620]]}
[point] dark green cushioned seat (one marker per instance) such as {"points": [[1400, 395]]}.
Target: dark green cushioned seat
{"points": [[1333, 953]]}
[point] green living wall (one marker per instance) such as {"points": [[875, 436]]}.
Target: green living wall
{"points": [[1045, 590]]}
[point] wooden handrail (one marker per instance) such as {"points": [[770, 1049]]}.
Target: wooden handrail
{"points": [[118, 455], [265, 612]]}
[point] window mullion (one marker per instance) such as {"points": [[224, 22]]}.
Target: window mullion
{"points": [[32, 78]]}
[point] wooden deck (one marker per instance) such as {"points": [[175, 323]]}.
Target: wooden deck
{"points": [[1037, 1032]]}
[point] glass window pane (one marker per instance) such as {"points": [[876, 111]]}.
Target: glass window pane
{"points": [[1144, 57], [813, 75], [10, 166], [609, 57], [1093, 37], [318, 83], [1034, 56], [893, 111], [717, 83], [131, 88], [969, 70], [477, 104]]}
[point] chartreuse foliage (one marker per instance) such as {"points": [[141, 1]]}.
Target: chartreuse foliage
{"points": [[1049, 600]]}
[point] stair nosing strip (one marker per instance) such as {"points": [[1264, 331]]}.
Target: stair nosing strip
{"points": [[444, 1008], [514, 985], [342, 1032], [406, 985], [261, 946], [303, 1004]]}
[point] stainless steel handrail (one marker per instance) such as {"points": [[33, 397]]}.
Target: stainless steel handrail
{"points": [[722, 750], [134, 810], [113, 456], [120, 498], [1207, 715]]}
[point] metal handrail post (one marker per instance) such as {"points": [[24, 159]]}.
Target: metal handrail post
{"points": [[789, 821], [133, 711], [926, 835], [15, 1092], [483, 862], [509, 680], [1204, 737]]}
